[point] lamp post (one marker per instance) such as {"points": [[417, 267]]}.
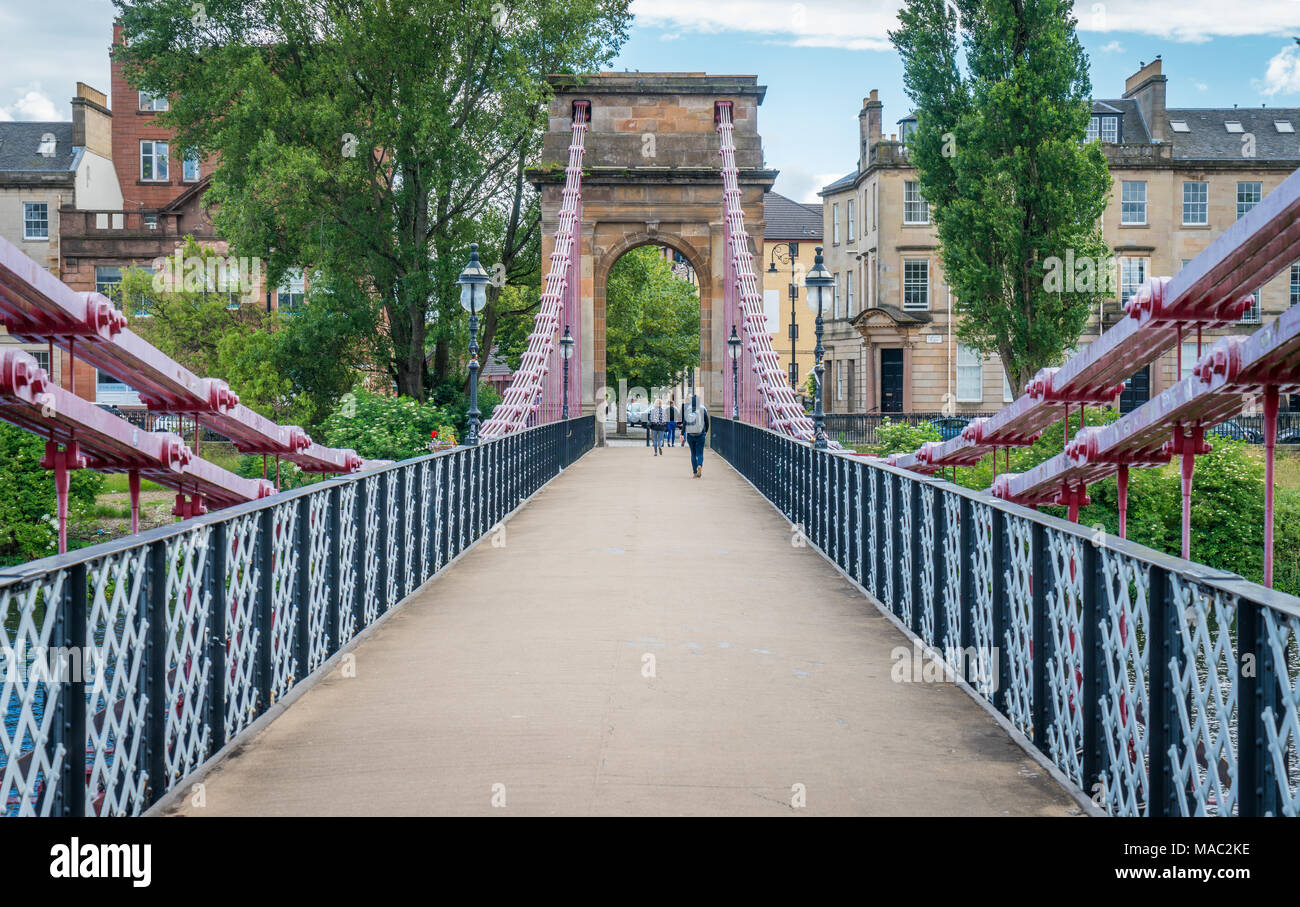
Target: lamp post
{"points": [[733, 348], [566, 353], [788, 253], [819, 282], [473, 291]]}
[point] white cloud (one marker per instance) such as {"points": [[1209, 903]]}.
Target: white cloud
{"points": [[864, 24], [802, 185], [4, 116], [32, 106], [1282, 76], [1201, 86], [1114, 47]]}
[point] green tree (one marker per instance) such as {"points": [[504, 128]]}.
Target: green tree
{"points": [[1000, 156], [378, 426], [652, 320], [367, 140]]}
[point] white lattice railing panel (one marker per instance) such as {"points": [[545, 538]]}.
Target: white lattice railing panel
{"points": [[284, 599], [188, 601], [1283, 730], [522, 398], [986, 669], [952, 569], [1125, 628], [887, 531], [873, 542], [318, 582], [1064, 597], [33, 756], [347, 612], [117, 707], [1018, 637], [243, 577], [370, 554], [928, 579], [391, 528], [1205, 688]]}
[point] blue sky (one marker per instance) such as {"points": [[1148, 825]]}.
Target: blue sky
{"points": [[818, 58]]}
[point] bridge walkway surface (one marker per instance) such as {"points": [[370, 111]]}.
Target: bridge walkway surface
{"points": [[518, 675]]}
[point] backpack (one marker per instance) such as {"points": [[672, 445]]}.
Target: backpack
{"points": [[695, 421]]}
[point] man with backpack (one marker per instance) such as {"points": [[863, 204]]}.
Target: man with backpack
{"points": [[695, 427]]}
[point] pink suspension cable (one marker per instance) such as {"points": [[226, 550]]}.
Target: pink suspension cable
{"points": [[780, 409], [523, 400]]}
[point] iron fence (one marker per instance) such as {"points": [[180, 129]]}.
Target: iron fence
{"points": [[151, 653], [1156, 685], [860, 429]]}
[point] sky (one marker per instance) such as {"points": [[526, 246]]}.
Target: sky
{"points": [[818, 59]]}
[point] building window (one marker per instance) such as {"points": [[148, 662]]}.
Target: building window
{"points": [[292, 290], [1248, 196], [906, 129], [151, 221], [1105, 128], [970, 375], [36, 220], [1133, 202], [839, 379], [190, 167], [835, 300], [107, 280], [1252, 315], [1188, 359], [850, 210], [1196, 203], [149, 102], [916, 210], [1132, 274], [1295, 284], [42, 358], [916, 283], [835, 224], [1007, 396], [153, 161], [848, 295]]}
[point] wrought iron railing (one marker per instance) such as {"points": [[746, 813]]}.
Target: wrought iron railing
{"points": [[859, 429], [194, 630], [1156, 685]]}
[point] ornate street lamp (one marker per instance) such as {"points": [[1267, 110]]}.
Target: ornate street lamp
{"points": [[819, 282], [473, 293], [566, 353], [788, 253], [733, 348]]}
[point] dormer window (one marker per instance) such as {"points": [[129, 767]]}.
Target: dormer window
{"points": [[906, 129], [1179, 126], [47, 145], [1103, 127], [1283, 126], [1233, 126]]}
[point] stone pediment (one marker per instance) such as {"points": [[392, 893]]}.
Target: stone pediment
{"points": [[889, 317]]}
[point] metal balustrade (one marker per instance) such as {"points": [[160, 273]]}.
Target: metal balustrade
{"points": [[1156, 685], [194, 630]]}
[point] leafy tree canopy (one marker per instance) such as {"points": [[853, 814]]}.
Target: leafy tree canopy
{"points": [[1002, 98], [652, 321]]}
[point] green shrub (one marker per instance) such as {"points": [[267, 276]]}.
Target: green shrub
{"points": [[27, 506], [901, 437], [378, 426]]}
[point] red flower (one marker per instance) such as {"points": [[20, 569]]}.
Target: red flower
{"points": [[434, 433]]}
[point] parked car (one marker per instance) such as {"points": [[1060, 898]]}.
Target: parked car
{"points": [[637, 411], [1290, 436], [949, 427], [1237, 432]]}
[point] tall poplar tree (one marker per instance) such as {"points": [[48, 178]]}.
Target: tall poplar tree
{"points": [[1002, 97]]}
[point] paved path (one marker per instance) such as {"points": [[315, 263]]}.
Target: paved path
{"points": [[523, 666]]}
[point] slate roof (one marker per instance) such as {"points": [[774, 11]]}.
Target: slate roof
{"points": [[19, 141], [785, 218], [1209, 139], [844, 182]]}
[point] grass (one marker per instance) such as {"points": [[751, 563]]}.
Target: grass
{"points": [[119, 483]]}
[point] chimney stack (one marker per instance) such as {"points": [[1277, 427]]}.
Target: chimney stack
{"points": [[92, 121], [1147, 87], [869, 123]]}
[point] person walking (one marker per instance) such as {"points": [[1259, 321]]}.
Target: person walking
{"points": [[695, 427], [658, 419], [673, 416]]}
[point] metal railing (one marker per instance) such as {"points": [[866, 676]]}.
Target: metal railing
{"points": [[859, 429], [151, 653], [1156, 685]]}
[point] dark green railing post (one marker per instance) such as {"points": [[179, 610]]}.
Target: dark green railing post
{"points": [[156, 666], [302, 586], [1000, 605], [1258, 792], [72, 698], [1163, 722], [264, 610], [217, 633], [1095, 674], [1043, 647]]}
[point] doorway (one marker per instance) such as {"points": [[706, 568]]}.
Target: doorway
{"points": [[1137, 390], [891, 381]]}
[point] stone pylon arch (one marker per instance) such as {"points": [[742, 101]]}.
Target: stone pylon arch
{"points": [[651, 175]]}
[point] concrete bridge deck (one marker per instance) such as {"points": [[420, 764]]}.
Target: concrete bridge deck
{"points": [[523, 666]]}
